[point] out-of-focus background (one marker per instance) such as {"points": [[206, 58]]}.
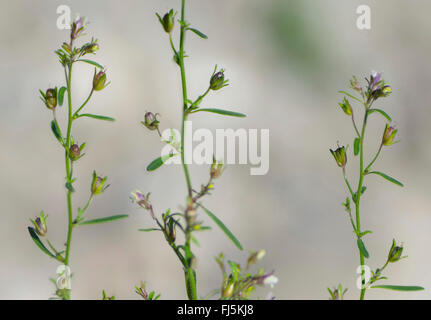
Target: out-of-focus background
{"points": [[286, 60]]}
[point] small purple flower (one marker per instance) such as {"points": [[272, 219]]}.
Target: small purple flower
{"points": [[375, 79], [77, 28], [143, 201]]}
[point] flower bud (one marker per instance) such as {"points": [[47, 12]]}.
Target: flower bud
{"points": [[99, 81], [389, 135], [98, 184], [89, 48], [150, 121], [345, 105], [340, 156], [74, 152], [216, 169], [49, 98], [354, 83], [256, 256], [395, 252], [40, 224], [171, 233], [77, 28], [217, 80], [337, 293], [168, 20], [386, 90], [228, 289]]}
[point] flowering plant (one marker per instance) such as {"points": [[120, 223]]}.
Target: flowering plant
{"points": [[53, 98], [375, 89], [236, 284]]}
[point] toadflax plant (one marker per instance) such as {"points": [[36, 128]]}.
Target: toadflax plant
{"points": [[375, 89], [53, 98], [235, 284]]}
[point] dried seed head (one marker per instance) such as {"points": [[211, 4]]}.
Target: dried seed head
{"points": [[74, 152], [340, 156]]}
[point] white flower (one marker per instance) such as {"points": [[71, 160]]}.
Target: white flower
{"points": [[270, 281]]}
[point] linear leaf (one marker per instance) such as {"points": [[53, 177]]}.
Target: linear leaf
{"points": [[149, 229], [196, 31], [157, 163], [39, 243], [221, 225], [92, 63], [362, 248], [382, 113], [56, 131], [103, 220], [383, 175], [348, 94], [222, 112], [399, 288], [61, 95], [356, 145], [96, 116]]}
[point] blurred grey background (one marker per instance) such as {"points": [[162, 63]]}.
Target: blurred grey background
{"points": [[286, 60]]}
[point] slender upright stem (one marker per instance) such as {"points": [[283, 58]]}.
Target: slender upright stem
{"points": [[358, 196], [68, 166], [190, 275]]}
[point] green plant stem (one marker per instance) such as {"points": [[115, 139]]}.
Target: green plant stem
{"points": [[374, 159], [358, 195], [76, 114], [190, 276], [68, 166]]}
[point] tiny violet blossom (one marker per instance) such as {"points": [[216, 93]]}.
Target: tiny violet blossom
{"points": [[375, 79], [78, 27], [142, 200]]}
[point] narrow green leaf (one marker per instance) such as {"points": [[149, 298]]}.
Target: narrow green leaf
{"points": [[362, 248], [222, 112], [56, 131], [356, 145], [60, 97], [95, 116], [196, 31], [39, 243], [92, 63], [383, 175], [399, 288], [348, 94], [365, 233], [103, 220], [149, 229], [157, 163], [222, 227], [381, 112]]}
